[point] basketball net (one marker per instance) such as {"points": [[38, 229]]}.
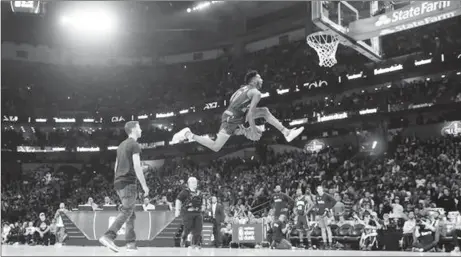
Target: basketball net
{"points": [[325, 44]]}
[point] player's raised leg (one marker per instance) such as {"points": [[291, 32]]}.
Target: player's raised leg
{"points": [[290, 134], [215, 145]]}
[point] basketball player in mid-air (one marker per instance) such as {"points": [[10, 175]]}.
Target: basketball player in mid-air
{"points": [[242, 108]]}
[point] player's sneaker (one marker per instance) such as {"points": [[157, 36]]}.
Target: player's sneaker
{"points": [[294, 133], [181, 135], [109, 243]]}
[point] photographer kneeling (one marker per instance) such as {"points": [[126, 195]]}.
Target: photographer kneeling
{"points": [[427, 234], [280, 230]]}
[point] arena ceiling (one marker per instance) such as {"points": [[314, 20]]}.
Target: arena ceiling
{"points": [[145, 25]]}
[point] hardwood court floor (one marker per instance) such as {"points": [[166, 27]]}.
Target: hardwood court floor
{"points": [[21, 250]]}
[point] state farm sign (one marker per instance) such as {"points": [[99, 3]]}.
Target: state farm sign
{"points": [[417, 14], [413, 12]]}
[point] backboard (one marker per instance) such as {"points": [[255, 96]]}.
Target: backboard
{"points": [[361, 24], [336, 16]]}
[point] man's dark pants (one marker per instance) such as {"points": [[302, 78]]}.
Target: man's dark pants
{"points": [[456, 236], [427, 242], [193, 223], [217, 233], [45, 240], [128, 197]]}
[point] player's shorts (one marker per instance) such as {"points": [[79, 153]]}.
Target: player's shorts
{"points": [[301, 222], [231, 122]]}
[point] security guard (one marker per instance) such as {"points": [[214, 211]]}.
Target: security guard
{"points": [[190, 202]]}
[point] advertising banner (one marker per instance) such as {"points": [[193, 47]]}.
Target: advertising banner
{"points": [[314, 146], [451, 128], [251, 233], [417, 14]]}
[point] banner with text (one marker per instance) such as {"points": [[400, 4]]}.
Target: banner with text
{"points": [[251, 233], [419, 13]]}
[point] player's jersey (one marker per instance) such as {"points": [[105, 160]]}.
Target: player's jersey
{"points": [[324, 202], [239, 101], [301, 204], [280, 203]]}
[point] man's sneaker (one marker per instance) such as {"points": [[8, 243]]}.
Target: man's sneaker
{"points": [[131, 247], [456, 250], [109, 243], [294, 133], [181, 135]]}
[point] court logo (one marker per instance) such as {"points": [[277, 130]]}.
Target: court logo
{"points": [[122, 229], [382, 20]]}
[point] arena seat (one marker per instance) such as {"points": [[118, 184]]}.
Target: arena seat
{"points": [[345, 230], [358, 230], [334, 230]]}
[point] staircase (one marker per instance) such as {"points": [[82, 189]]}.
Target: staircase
{"points": [[166, 237], [74, 235]]}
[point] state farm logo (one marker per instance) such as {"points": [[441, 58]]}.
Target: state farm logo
{"points": [[413, 11], [382, 20]]}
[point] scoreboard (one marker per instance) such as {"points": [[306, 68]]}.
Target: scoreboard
{"points": [[32, 7]]}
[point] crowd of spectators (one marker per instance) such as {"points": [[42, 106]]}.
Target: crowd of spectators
{"points": [[388, 97], [418, 174]]}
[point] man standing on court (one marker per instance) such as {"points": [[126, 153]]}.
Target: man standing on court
{"points": [[127, 169], [190, 201], [217, 215]]}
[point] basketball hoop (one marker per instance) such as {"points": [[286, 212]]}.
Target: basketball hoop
{"points": [[325, 44]]}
